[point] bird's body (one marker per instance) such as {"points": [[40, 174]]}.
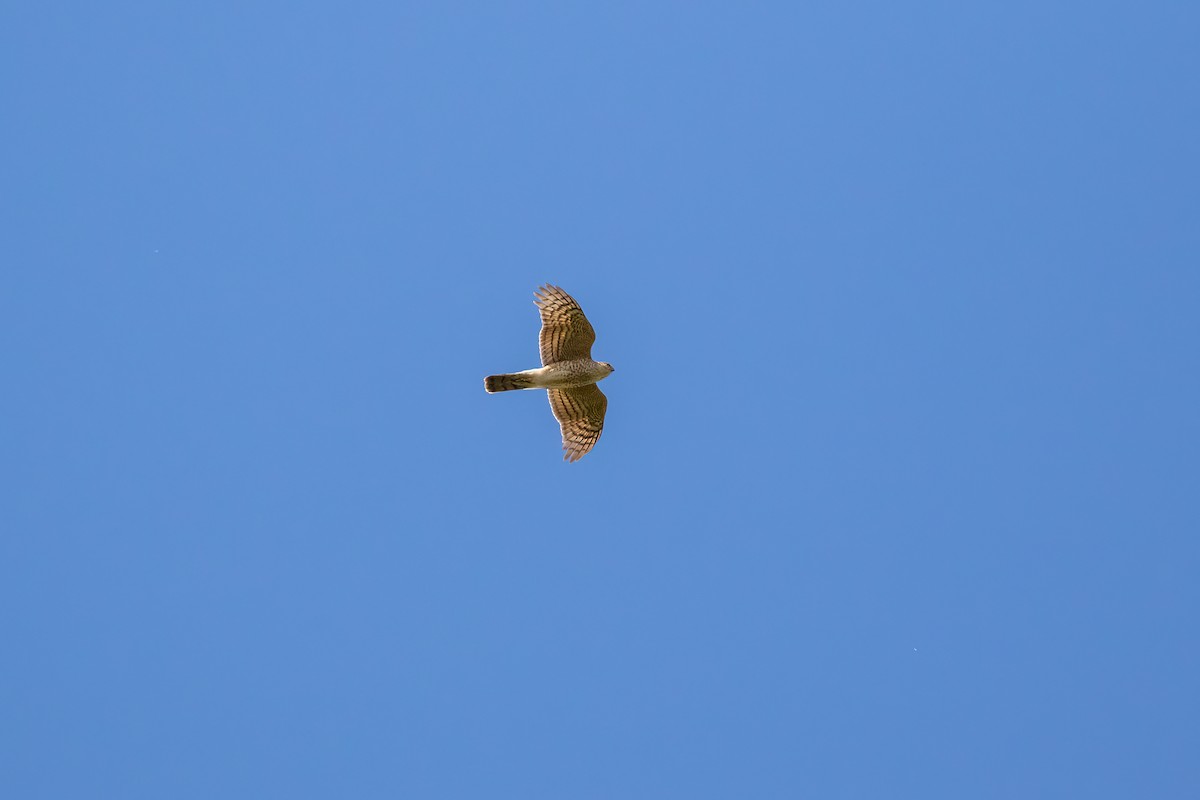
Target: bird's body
{"points": [[567, 371], [562, 375]]}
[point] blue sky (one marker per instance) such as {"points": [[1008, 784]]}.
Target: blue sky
{"points": [[897, 495]]}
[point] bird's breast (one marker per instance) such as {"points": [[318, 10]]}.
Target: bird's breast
{"points": [[568, 374]]}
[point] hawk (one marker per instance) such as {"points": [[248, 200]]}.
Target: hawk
{"points": [[567, 372]]}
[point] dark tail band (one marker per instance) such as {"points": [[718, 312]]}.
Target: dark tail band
{"points": [[506, 383]]}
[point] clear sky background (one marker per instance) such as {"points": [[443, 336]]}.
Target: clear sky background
{"points": [[897, 495]]}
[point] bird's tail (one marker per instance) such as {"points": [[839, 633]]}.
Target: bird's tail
{"points": [[506, 383]]}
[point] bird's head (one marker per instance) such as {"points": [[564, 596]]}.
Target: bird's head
{"points": [[608, 367]]}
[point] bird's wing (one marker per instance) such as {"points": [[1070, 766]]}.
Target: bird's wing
{"points": [[580, 412], [566, 333]]}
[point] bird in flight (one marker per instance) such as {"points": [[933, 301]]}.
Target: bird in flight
{"points": [[567, 372]]}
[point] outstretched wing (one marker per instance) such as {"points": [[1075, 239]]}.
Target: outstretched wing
{"points": [[580, 412], [566, 333]]}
